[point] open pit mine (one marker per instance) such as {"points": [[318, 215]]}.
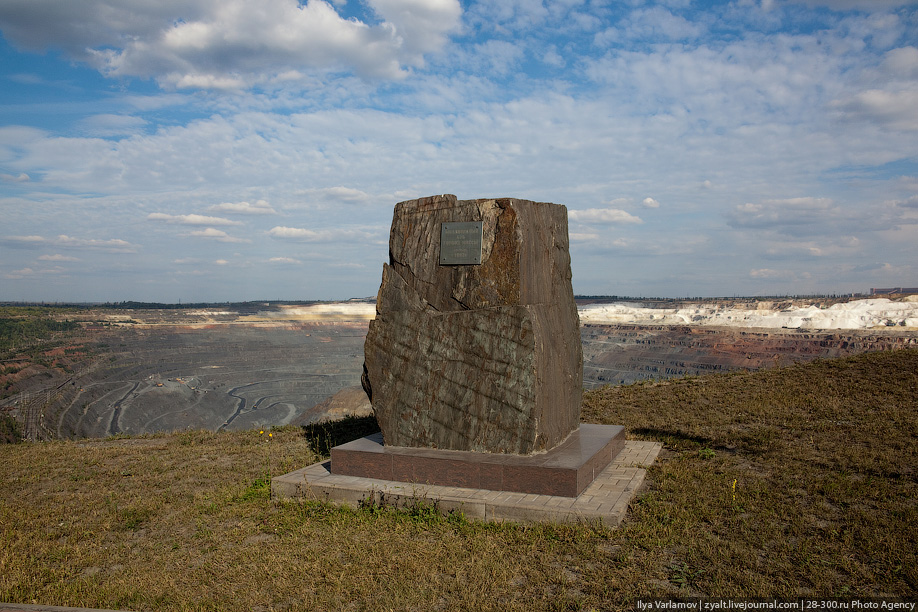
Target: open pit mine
{"points": [[147, 370]]}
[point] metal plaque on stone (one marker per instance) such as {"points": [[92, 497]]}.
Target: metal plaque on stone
{"points": [[460, 243]]}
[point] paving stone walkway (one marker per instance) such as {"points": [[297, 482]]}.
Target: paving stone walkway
{"points": [[606, 499]]}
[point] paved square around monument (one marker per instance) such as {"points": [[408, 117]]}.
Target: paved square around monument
{"points": [[605, 499]]}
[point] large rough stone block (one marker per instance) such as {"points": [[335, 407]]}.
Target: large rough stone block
{"points": [[486, 357]]}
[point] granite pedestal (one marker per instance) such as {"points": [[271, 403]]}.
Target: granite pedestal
{"points": [[565, 470]]}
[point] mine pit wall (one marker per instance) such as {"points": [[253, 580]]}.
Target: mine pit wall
{"points": [[623, 354], [53, 403]]}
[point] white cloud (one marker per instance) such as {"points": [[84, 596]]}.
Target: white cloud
{"points": [[106, 125], [114, 245], [650, 203], [782, 213], [421, 25], [31, 272], [326, 235], [25, 241], [215, 234], [191, 219], [232, 44], [582, 237], [656, 22], [22, 177], [896, 109], [496, 56], [866, 5], [346, 264], [261, 207], [294, 233], [768, 273], [553, 58], [18, 274], [284, 260], [603, 215], [57, 258], [901, 63], [823, 248], [340, 193]]}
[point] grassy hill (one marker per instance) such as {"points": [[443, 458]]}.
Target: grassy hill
{"points": [[791, 482]]}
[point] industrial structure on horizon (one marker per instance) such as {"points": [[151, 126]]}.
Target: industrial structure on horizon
{"points": [[893, 290]]}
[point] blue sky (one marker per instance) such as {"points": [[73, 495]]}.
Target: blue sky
{"points": [[215, 150]]}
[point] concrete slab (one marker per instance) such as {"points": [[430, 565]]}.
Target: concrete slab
{"points": [[605, 499]]}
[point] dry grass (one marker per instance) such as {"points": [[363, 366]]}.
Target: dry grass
{"points": [[823, 456]]}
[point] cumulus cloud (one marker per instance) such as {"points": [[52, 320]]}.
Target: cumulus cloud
{"points": [[785, 212], [114, 245], [22, 177], [232, 44], [901, 62], [284, 260], [604, 215], [422, 25], [27, 272], [768, 273], [656, 22], [327, 235], [897, 109], [57, 257], [865, 5], [111, 125], [346, 264], [344, 195], [215, 234], [261, 207], [650, 203], [191, 219], [796, 249]]}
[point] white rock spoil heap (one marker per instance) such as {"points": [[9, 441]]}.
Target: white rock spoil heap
{"points": [[857, 314]]}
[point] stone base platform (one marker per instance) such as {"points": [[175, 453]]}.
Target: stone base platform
{"points": [[565, 470], [605, 499]]}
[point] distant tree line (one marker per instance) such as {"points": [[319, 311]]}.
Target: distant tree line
{"points": [[29, 327], [132, 305]]}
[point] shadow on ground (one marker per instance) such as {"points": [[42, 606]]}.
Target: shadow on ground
{"points": [[323, 436]]}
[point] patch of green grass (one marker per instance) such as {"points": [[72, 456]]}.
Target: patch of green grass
{"points": [[260, 489], [10, 430], [793, 482]]}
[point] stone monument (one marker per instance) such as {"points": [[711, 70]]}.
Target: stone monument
{"points": [[473, 364], [476, 341]]}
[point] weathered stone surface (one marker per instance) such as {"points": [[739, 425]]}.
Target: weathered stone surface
{"points": [[484, 358]]}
